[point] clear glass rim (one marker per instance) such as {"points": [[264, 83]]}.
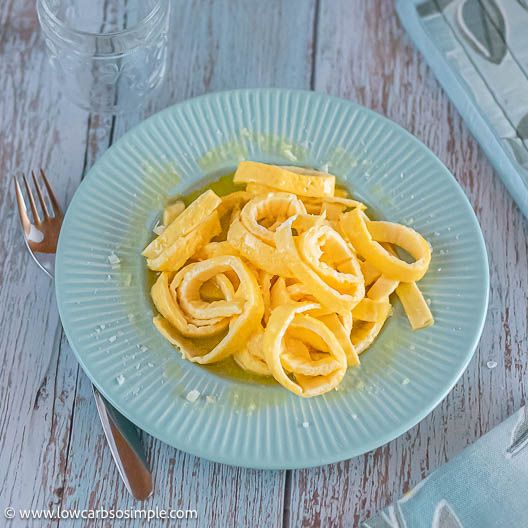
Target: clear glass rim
{"points": [[87, 34]]}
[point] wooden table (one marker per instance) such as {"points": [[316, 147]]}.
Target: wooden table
{"points": [[52, 449]]}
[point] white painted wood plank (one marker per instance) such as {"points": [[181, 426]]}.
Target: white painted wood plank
{"points": [[37, 129], [364, 55], [205, 37]]}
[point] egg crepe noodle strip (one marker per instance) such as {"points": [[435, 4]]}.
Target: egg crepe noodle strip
{"points": [[240, 327], [289, 277]]}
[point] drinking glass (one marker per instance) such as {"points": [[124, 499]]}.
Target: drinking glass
{"points": [[108, 55]]}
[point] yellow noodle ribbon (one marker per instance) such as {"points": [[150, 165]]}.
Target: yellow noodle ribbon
{"points": [[280, 321], [367, 236], [415, 306], [273, 209], [250, 357], [260, 254], [173, 257], [240, 312], [347, 287], [298, 182], [184, 223], [172, 211]]}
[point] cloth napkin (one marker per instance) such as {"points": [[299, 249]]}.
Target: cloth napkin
{"points": [[484, 486], [478, 50]]}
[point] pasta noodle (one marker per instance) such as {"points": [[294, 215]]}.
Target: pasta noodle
{"points": [[288, 276]]}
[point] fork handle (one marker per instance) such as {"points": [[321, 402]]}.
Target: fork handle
{"points": [[123, 439]]}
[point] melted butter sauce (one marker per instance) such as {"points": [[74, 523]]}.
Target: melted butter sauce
{"points": [[222, 186]]}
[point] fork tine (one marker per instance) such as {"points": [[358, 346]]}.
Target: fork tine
{"points": [[22, 209], [40, 195], [36, 217], [53, 199]]}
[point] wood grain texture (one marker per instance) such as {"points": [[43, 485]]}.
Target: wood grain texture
{"points": [[203, 36], [37, 128], [52, 448], [364, 55]]}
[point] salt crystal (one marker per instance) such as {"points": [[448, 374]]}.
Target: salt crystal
{"points": [[210, 399], [112, 339], [120, 379], [406, 381], [192, 396], [131, 317], [289, 154], [306, 425], [491, 364], [158, 229], [114, 260]]}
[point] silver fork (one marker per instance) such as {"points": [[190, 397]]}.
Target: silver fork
{"points": [[41, 234]]}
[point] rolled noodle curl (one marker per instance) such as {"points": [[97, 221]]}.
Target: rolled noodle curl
{"points": [[239, 314], [328, 366], [306, 256], [367, 236]]}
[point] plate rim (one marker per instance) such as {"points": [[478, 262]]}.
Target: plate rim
{"points": [[343, 453]]}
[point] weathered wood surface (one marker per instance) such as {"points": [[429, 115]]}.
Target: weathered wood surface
{"points": [[364, 55], [52, 449]]}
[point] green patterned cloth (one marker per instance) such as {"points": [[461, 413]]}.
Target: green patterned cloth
{"points": [[478, 50], [486, 486]]}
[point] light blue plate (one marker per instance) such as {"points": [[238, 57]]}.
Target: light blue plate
{"points": [[107, 314]]}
